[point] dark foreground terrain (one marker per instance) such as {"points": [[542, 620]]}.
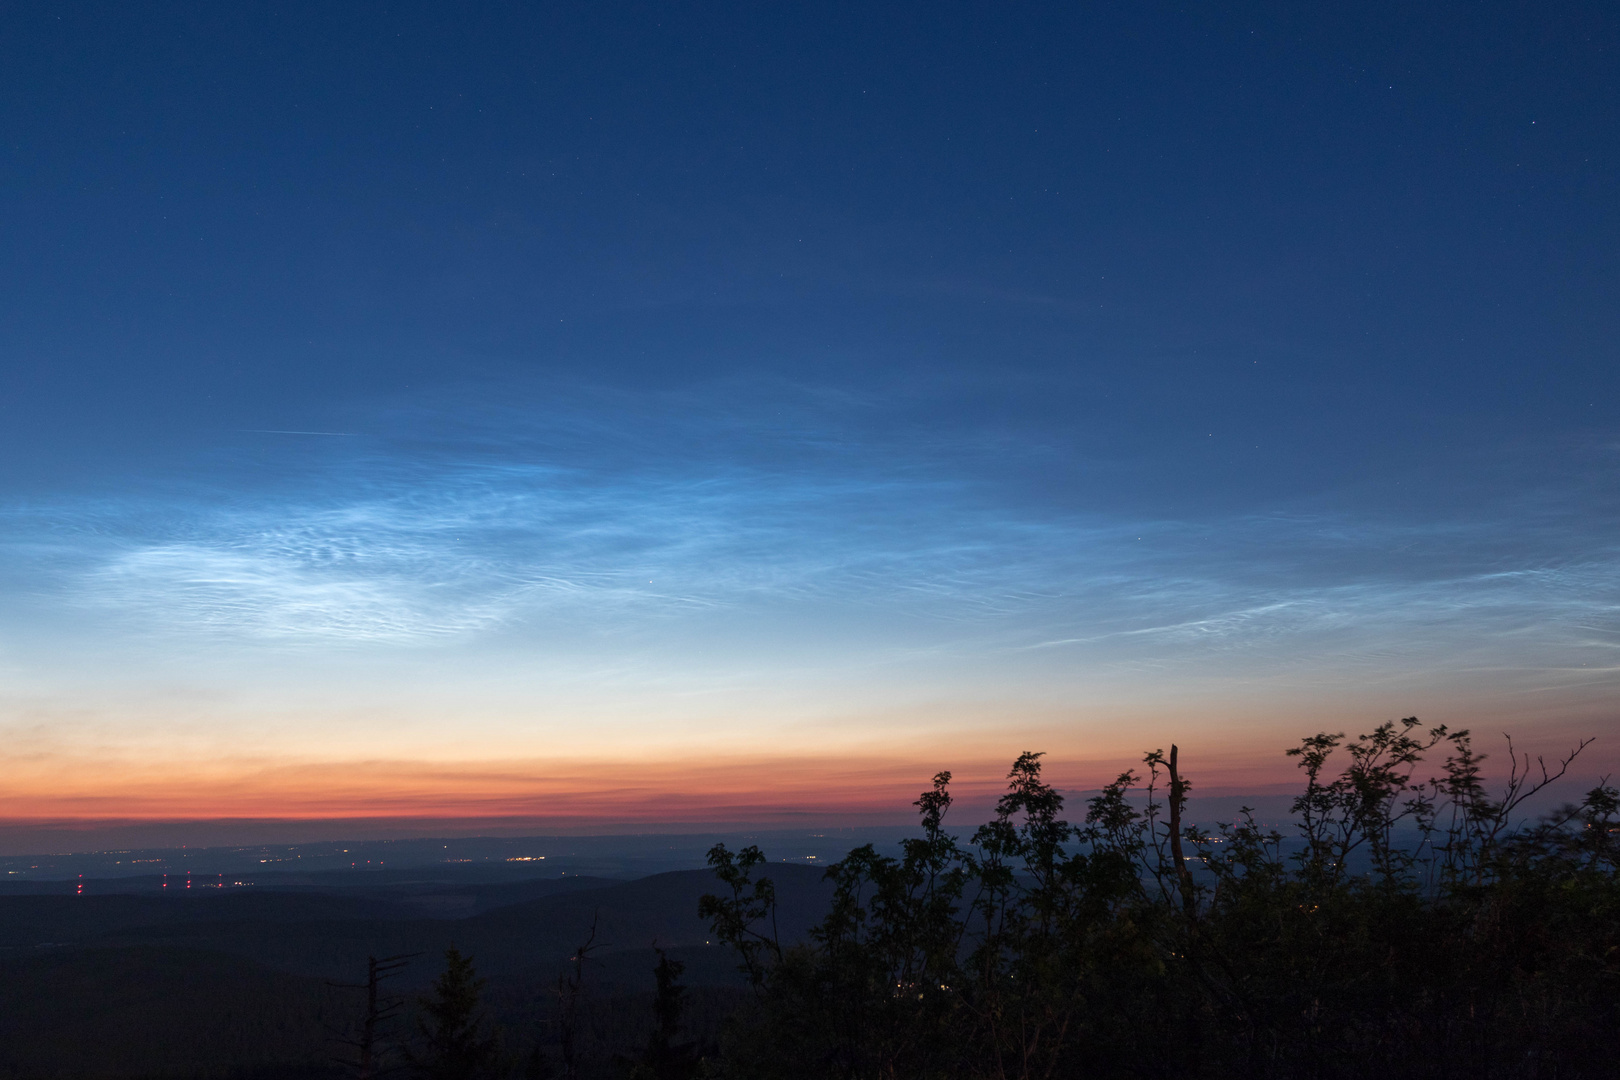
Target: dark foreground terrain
{"points": [[223, 982]]}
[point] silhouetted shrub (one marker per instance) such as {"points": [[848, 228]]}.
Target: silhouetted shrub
{"points": [[1411, 928]]}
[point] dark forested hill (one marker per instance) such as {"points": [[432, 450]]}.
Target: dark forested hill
{"points": [[237, 983], [85, 1014]]}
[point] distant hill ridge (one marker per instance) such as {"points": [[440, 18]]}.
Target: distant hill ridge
{"points": [[514, 929]]}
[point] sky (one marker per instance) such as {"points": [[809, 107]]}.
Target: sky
{"points": [[615, 414]]}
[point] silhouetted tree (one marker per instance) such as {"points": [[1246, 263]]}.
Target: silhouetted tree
{"points": [[570, 989], [745, 920], [454, 1040], [369, 1044], [664, 1058], [1410, 928]]}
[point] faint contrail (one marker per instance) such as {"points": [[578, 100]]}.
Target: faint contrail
{"points": [[272, 431]]}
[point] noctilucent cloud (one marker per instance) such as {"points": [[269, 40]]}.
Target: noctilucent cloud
{"points": [[648, 413]]}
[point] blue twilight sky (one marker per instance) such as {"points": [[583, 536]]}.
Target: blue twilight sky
{"points": [[448, 384]]}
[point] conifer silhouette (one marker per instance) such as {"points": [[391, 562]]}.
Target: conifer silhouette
{"points": [[454, 1040]]}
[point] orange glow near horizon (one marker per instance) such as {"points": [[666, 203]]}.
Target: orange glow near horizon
{"points": [[581, 792], [753, 789]]}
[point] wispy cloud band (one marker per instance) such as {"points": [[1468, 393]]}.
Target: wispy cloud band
{"points": [[671, 524]]}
